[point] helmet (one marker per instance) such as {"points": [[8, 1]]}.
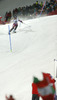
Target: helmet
{"points": [[15, 16]]}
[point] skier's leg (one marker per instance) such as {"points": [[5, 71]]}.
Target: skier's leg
{"points": [[16, 27], [11, 29]]}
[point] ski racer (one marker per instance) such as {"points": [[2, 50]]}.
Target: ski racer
{"points": [[15, 24]]}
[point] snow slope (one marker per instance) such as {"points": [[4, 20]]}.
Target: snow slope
{"points": [[34, 48]]}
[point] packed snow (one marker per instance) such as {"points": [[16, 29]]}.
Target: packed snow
{"points": [[34, 48]]}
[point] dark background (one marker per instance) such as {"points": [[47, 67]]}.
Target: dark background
{"points": [[9, 5]]}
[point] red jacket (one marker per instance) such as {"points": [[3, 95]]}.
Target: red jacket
{"points": [[50, 97], [34, 88]]}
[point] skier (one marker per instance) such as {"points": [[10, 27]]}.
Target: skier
{"points": [[9, 98], [15, 24]]}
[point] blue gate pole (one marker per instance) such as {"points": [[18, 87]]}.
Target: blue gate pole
{"points": [[10, 38]]}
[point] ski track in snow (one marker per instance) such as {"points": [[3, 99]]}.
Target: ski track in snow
{"points": [[34, 49]]}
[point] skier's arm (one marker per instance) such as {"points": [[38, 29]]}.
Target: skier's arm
{"points": [[20, 21]]}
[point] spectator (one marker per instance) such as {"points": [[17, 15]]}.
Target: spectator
{"points": [[34, 89], [35, 9], [10, 98]]}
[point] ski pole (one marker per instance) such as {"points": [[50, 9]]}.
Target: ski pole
{"points": [[24, 23], [27, 25]]}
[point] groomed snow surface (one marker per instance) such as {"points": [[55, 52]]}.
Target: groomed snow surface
{"points": [[34, 48]]}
